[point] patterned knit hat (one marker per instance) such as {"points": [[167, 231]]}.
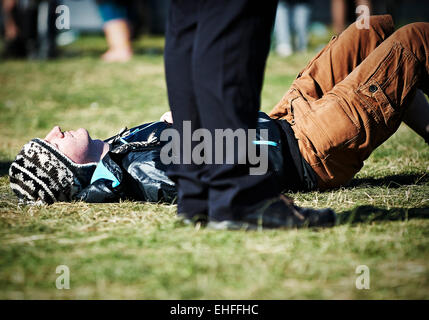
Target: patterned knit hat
{"points": [[41, 173]]}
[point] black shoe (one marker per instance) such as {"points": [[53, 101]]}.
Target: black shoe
{"points": [[279, 212]]}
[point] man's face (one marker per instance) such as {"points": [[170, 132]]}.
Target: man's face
{"points": [[74, 144]]}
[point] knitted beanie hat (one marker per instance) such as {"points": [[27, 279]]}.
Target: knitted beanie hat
{"points": [[41, 173]]}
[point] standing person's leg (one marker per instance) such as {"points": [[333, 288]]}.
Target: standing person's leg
{"points": [[117, 30], [301, 19], [282, 32], [338, 13], [180, 36], [233, 40], [11, 30]]}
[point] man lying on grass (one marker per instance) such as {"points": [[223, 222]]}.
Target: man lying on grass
{"points": [[349, 99]]}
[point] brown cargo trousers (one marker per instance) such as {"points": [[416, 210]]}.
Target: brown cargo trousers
{"points": [[351, 97]]}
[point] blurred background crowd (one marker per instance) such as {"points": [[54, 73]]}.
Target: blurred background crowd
{"points": [[28, 27]]}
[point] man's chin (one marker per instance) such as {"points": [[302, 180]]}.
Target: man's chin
{"points": [[85, 132]]}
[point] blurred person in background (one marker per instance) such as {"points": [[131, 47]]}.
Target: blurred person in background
{"points": [[29, 29], [116, 26], [293, 14]]}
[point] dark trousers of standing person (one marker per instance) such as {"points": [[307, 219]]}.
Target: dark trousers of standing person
{"points": [[215, 56]]}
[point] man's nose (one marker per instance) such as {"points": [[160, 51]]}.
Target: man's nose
{"points": [[55, 133]]}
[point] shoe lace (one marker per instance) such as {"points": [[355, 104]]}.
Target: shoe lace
{"points": [[289, 202]]}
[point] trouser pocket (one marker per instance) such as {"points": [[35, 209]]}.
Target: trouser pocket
{"points": [[327, 127], [387, 91]]}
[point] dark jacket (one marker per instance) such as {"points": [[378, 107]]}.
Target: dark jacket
{"points": [[132, 169]]}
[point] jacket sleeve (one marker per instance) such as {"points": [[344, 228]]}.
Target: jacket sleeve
{"points": [[100, 191]]}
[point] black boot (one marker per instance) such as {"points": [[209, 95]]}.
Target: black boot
{"points": [[279, 212]]}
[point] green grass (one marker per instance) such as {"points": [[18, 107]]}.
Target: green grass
{"points": [[141, 251]]}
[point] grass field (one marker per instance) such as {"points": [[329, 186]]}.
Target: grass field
{"points": [[140, 251]]}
